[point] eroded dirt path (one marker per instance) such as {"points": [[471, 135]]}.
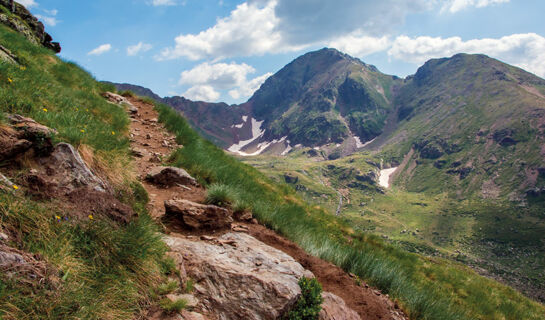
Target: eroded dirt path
{"points": [[153, 142]]}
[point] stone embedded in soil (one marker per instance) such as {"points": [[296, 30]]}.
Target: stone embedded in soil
{"points": [[198, 216], [67, 170], [170, 176], [190, 299], [248, 281], [334, 308]]}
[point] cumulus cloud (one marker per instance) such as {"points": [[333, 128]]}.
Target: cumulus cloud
{"points": [[307, 21], [100, 49], [202, 93], [49, 21], [248, 88], [137, 48], [250, 29], [359, 45], [523, 50], [28, 3], [454, 6], [257, 27], [206, 79]]}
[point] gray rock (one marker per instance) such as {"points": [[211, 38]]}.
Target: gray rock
{"points": [[170, 176], [67, 171], [246, 280], [10, 258], [3, 237], [334, 308], [198, 216]]}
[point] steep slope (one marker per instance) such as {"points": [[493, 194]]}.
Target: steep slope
{"points": [[477, 127]]}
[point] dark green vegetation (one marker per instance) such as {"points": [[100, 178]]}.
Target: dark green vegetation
{"points": [[322, 97], [428, 288], [309, 304], [95, 269]]}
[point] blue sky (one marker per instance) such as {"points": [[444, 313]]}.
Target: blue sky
{"points": [[222, 50]]}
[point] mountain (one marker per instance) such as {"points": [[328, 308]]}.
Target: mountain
{"points": [[473, 124]]}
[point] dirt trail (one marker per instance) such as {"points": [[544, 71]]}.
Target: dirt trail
{"points": [[152, 140]]}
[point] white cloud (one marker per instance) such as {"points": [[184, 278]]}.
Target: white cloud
{"points": [[248, 88], [157, 3], [359, 45], [523, 50], [100, 49], [49, 21], [28, 3], [250, 29], [137, 48], [207, 79], [202, 93], [51, 12], [454, 6]]}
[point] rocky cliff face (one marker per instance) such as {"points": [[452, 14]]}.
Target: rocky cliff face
{"points": [[22, 21]]}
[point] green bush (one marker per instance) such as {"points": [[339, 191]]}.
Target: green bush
{"points": [[170, 306], [310, 303], [221, 195]]}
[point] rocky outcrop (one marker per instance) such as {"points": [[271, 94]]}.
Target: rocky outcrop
{"points": [[334, 308], [22, 21], [170, 176], [239, 277], [7, 56], [194, 216], [120, 100]]}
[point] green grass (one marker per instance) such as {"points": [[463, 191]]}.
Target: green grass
{"points": [[173, 306], [97, 269], [428, 288], [221, 195]]}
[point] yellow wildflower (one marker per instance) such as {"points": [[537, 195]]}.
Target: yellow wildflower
{"points": [[58, 217], [23, 68], [82, 131], [91, 217], [44, 109], [15, 187], [9, 80], [113, 133]]}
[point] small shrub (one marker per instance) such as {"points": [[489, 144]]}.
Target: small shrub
{"points": [[172, 306], [168, 287], [189, 286], [309, 304], [221, 195]]}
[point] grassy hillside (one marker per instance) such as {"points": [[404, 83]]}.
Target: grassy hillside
{"points": [[476, 125], [428, 288], [98, 269]]}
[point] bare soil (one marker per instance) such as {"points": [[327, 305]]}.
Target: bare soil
{"points": [[149, 136]]}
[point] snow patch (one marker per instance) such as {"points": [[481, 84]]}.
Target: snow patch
{"points": [[256, 133], [384, 179], [261, 147], [287, 150], [239, 126], [361, 145]]}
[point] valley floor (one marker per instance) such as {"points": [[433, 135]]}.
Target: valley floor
{"points": [[151, 143]]}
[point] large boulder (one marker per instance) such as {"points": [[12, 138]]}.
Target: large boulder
{"points": [[118, 99], [198, 216], [334, 308], [239, 277], [170, 176], [66, 171], [11, 144]]}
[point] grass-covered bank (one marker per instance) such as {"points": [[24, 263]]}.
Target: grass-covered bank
{"points": [[96, 269], [426, 288]]}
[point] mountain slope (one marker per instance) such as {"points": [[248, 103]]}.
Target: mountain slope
{"points": [[477, 126]]}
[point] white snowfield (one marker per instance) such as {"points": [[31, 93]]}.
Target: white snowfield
{"points": [[384, 179], [261, 147], [361, 145], [239, 126], [256, 133]]}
